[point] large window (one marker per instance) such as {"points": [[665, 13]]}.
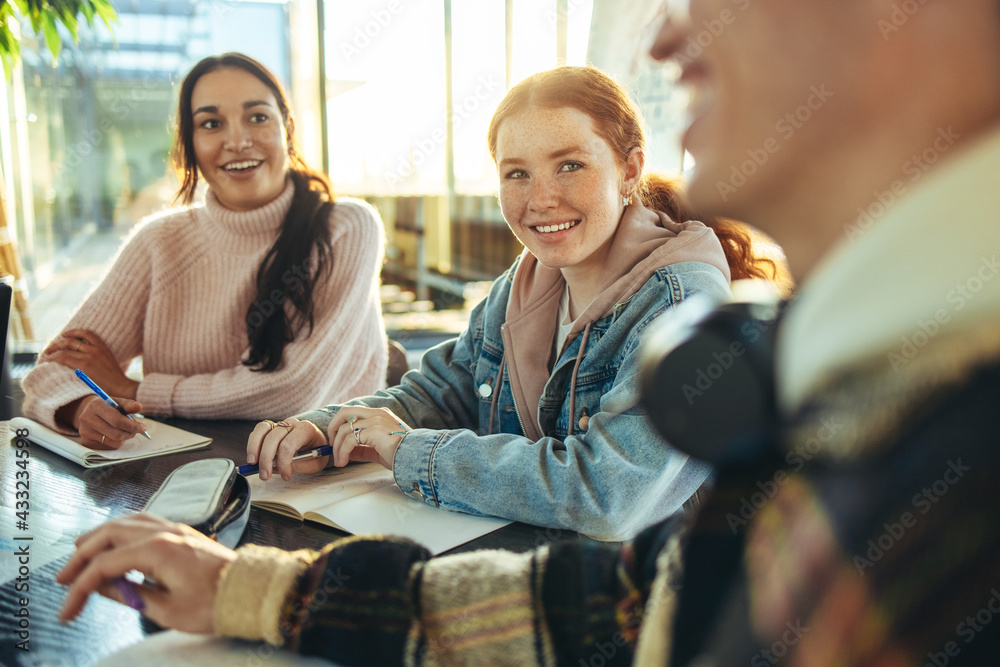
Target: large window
{"points": [[397, 110], [389, 79], [86, 144]]}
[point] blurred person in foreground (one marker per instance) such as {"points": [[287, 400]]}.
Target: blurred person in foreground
{"points": [[880, 544]]}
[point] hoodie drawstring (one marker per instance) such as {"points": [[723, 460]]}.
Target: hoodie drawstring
{"points": [[572, 383], [496, 392]]}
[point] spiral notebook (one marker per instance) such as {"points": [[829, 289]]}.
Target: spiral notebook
{"points": [[165, 439]]}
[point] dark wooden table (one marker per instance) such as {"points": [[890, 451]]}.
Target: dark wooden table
{"points": [[66, 500]]}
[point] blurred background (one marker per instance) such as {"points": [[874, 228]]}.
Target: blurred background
{"points": [[392, 98]]}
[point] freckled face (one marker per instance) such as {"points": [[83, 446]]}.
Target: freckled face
{"points": [[239, 138], [560, 186]]}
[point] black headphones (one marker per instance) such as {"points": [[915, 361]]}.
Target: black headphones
{"points": [[707, 378]]}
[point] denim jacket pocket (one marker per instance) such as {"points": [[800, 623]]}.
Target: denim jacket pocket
{"points": [[590, 387]]}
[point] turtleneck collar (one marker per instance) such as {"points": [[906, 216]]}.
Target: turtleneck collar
{"points": [[264, 220]]}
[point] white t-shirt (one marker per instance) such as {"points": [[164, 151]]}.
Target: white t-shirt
{"points": [[563, 324]]}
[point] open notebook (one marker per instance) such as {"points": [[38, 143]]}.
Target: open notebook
{"points": [[363, 499], [165, 439]]}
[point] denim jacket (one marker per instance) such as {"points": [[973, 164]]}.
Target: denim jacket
{"points": [[610, 479]]}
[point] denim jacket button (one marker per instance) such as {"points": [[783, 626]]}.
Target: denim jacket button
{"points": [[415, 493], [485, 390]]}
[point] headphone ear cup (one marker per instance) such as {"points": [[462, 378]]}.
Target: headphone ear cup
{"points": [[707, 379]]}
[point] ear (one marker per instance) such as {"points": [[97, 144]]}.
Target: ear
{"points": [[634, 163]]}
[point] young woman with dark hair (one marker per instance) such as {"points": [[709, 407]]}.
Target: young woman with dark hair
{"points": [[260, 300]]}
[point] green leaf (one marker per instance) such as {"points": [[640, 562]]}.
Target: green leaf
{"points": [[22, 7], [106, 11], [45, 17], [87, 10], [69, 20], [52, 38], [10, 50]]}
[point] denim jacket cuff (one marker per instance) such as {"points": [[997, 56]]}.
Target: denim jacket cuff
{"points": [[321, 417], [411, 465]]}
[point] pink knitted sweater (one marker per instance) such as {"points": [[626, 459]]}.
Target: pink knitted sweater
{"points": [[177, 294]]}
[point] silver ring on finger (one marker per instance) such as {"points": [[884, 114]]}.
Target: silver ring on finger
{"points": [[283, 424], [357, 434]]}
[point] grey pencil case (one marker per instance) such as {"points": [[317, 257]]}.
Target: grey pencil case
{"points": [[208, 495]]}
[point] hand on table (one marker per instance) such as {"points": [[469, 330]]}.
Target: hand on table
{"points": [[84, 349], [356, 434], [185, 565], [273, 444], [100, 425], [365, 434]]}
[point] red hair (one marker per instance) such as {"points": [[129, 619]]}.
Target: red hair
{"points": [[617, 119]]}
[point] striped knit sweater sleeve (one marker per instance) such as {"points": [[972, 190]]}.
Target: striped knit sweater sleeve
{"points": [[178, 294], [382, 601]]}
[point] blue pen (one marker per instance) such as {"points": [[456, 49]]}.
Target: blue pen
{"points": [[253, 469], [107, 399]]}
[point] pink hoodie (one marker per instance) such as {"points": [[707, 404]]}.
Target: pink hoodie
{"points": [[645, 241]]}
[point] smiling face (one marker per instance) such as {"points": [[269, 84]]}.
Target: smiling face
{"points": [[561, 186], [240, 141]]}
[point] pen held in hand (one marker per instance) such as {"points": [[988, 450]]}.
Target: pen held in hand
{"points": [[107, 399], [253, 469]]}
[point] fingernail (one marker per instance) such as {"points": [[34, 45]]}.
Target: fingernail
{"points": [[251, 459]]}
